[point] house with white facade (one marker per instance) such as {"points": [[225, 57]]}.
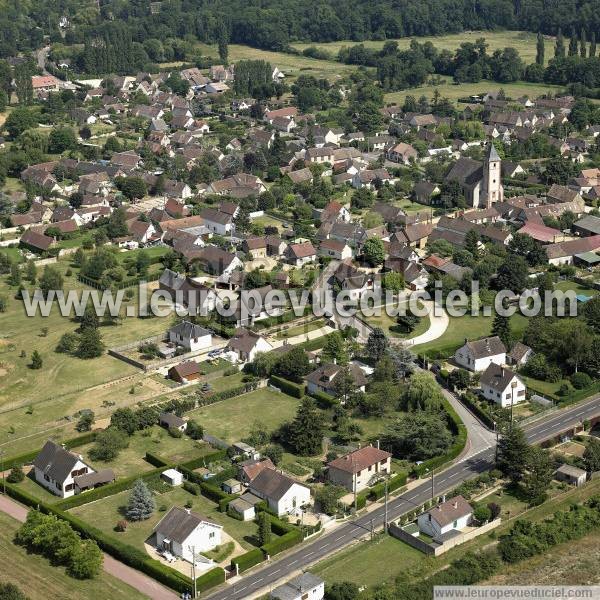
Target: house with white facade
{"points": [[446, 518], [502, 386], [191, 336], [246, 344], [479, 354], [182, 530], [303, 587], [57, 468], [283, 495], [301, 254], [335, 249], [217, 221], [357, 470]]}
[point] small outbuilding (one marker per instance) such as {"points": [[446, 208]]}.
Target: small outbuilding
{"points": [[232, 486], [571, 475], [172, 477], [185, 371]]}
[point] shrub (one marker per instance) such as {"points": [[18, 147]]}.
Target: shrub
{"points": [[245, 561], [289, 387], [482, 514], [121, 525], [282, 543], [580, 380], [175, 433], [16, 475]]}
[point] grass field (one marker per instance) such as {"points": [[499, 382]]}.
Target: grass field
{"points": [[291, 65], [39, 580], [471, 328], [524, 42], [452, 91], [155, 440], [105, 513], [62, 385], [233, 419], [386, 558], [300, 329], [389, 325]]}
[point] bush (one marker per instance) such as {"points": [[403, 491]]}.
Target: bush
{"points": [[175, 433], [192, 488], [16, 475], [295, 390], [580, 380], [394, 483], [325, 401], [482, 514], [282, 543], [210, 579], [248, 560], [121, 525]]}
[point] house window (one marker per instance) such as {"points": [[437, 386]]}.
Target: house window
{"points": [[455, 524], [46, 478], [69, 487], [211, 535]]}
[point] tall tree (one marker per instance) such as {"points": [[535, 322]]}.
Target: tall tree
{"points": [[592, 52], [512, 452], [539, 56], [23, 86], [264, 528], [573, 43], [501, 328], [141, 502], [559, 47], [305, 432], [538, 474], [377, 344], [583, 45]]}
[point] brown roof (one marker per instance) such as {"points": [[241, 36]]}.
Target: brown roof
{"points": [[356, 461], [489, 346], [588, 244], [451, 510], [252, 468], [302, 250], [36, 240], [184, 369]]}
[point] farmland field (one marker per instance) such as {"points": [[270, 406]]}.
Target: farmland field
{"points": [[36, 577]]}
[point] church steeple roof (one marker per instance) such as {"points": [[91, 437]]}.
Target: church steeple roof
{"points": [[492, 154]]}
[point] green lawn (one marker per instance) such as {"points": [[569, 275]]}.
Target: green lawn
{"points": [[105, 513], [300, 329], [63, 384], [576, 287], [233, 419], [39, 580], [155, 440], [390, 326], [469, 327], [30, 485]]}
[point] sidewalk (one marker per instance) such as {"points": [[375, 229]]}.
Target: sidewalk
{"points": [[136, 579]]}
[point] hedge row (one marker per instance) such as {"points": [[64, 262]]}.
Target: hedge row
{"points": [[212, 492], [460, 431], [210, 579], [479, 412], [129, 555], [315, 344], [361, 500], [155, 460], [27, 457], [248, 560], [396, 482], [224, 475], [324, 400], [211, 398], [296, 390], [204, 460], [286, 541], [120, 485]]}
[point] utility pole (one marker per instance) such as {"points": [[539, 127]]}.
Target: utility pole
{"points": [[193, 549], [355, 499], [385, 518], [497, 435], [2, 470], [513, 385], [432, 484]]}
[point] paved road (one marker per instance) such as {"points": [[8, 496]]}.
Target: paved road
{"points": [[470, 466]]}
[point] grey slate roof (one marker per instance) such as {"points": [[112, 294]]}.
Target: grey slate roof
{"points": [[55, 461], [486, 347], [171, 420], [92, 479], [187, 329], [496, 377], [178, 524], [296, 587], [271, 484]]}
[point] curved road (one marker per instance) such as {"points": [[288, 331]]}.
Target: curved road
{"points": [[469, 466]]}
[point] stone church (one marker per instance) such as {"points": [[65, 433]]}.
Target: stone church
{"points": [[481, 183]]}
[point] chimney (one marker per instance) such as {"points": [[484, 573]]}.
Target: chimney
{"points": [[455, 504], [444, 498], [377, 444], [188, 511]]}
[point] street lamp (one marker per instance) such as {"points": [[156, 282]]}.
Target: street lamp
{"points": [[2, 452]]}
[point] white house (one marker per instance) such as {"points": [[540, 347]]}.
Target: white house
{"points": [[192, 337], [56, 468], [478, 355], [172, 476], [325, 378], [180, 530], [356, 470], [172, 421], [301, 254], [502, 386], [246, 344], [282, 494], [450, 516], [303, 587], [217, 221], [335, 249]]}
